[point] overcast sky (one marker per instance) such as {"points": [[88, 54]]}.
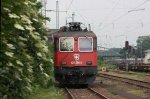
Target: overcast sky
{"points": [[113, 21]]}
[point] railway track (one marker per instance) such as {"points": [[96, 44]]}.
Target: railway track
{"points": [[92, 92], [71, 96], [98, 94], [138, 83]]}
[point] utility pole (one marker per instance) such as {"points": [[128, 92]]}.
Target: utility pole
{"points": [[73, 14], [126, 53], [142, 45], [44, 3], [41, 8], [57, 11], [141, 52], [66, 21], [57, 14]]}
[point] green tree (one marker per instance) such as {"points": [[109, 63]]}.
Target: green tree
{"points": [[143, 43], [24, 52]]}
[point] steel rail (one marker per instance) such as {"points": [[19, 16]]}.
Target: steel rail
{"points": [[97, 93], [127, 80], [69, 93]]}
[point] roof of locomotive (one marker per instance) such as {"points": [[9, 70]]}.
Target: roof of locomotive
{"points": [[75, 34], [73, 30]]}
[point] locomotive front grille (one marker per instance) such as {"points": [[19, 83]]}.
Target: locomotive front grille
{"points": [[84, 70], [75, 75]]}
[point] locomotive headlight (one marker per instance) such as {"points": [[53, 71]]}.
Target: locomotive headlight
{"points": [[63, 62], [75, 38], [89, 62]]}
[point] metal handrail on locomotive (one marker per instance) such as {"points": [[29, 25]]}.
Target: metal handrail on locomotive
{"points": [[75, 55]]}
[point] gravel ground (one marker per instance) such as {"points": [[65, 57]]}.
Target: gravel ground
{"points": [[105, 92], [147, 78], [123, 90], [114, 89], [83, 94], [132, 75]]}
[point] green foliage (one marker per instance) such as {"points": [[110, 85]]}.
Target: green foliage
{"points": [[103, 63], [47, 93], [24, 53], [128, 52], [143, 43], [111, 52], [51, 50]]}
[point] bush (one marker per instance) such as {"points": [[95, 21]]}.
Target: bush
{"points": [[102, 63], [24, 52]]}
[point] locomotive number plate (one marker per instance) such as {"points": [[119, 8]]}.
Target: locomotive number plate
{"points": [[76, 62]]}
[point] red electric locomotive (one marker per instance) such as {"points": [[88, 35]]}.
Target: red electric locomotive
{"points": [[75, 55]]}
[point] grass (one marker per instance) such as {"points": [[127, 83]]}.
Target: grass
{"points": [[122, 89], [139, 76], [48, 93], [132, 75], [102, 63], [139, 93], [129, 74], [113, 91]]}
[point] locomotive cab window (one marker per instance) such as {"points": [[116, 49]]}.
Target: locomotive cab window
{"points": [[66, 44], [86, 44]]}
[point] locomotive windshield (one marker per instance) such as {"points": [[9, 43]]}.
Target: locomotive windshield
{"points": [[66, 44], [86, 44]]}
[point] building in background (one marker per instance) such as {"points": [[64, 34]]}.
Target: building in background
{"points": [[147, 57]]}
